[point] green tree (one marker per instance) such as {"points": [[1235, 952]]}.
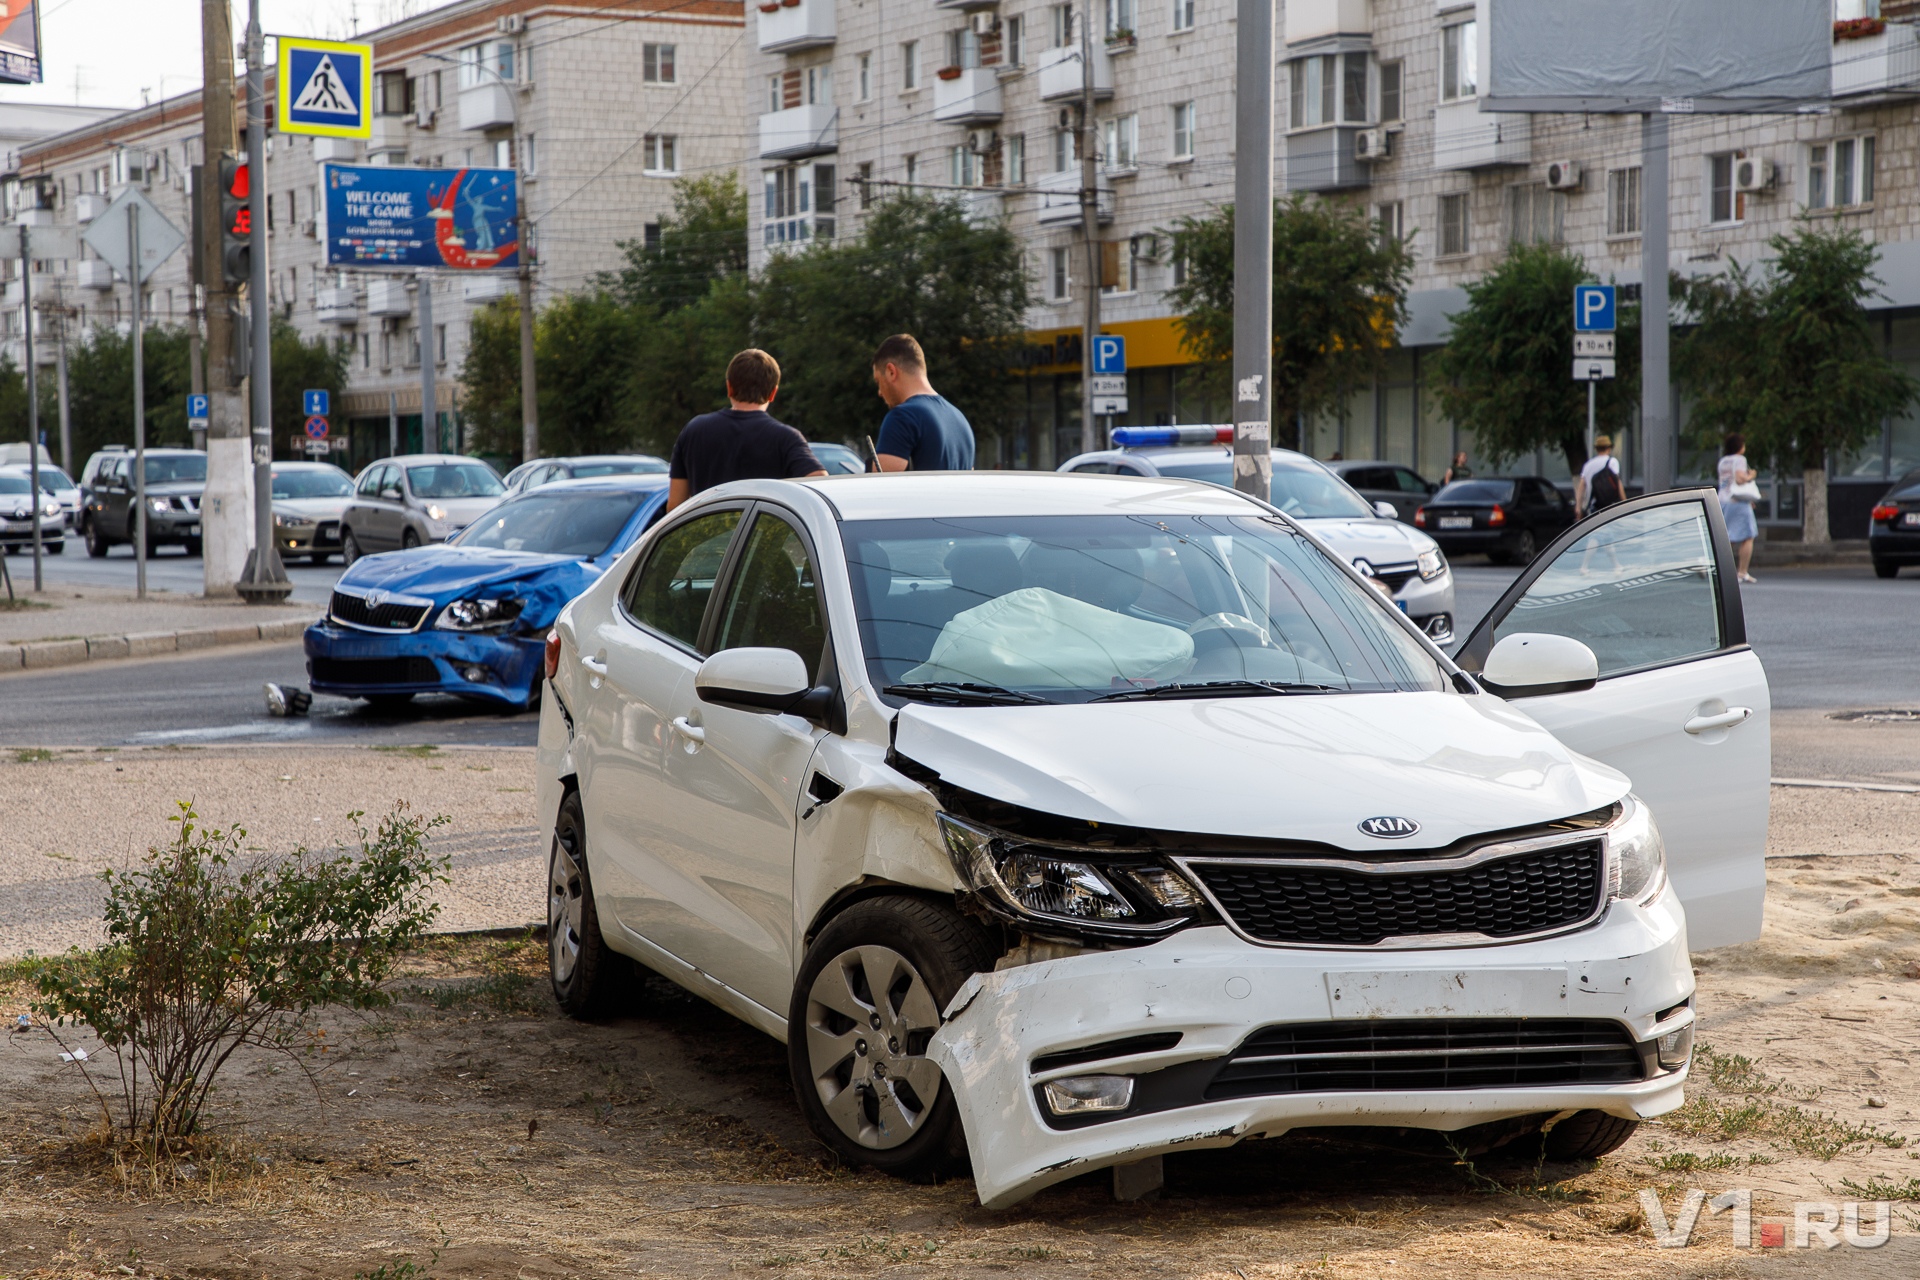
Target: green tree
{"points": [[679, 367], [1506, 371], [918, 266], [1785, 356], [490, 379], [583, 346], [301, 364], [13, 402], [1339, 296], [100, 388], [704, 241]]}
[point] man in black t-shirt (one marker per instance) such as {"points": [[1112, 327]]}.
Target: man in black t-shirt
{"points": [[744, 442]]}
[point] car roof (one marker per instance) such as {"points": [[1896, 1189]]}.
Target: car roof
{"points": [[644, 482], [305, 464], [952, 494], [604, 457], [424, 459]]}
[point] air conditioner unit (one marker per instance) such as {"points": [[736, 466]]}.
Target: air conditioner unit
{"points": [[982, 141], [424, 117], [307, 228], [985, 23], [1372, 144], [1563, 175], [1752, 174], [1066, 117], [511, 24]]}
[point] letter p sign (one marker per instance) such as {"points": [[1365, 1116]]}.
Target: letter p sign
{"points": [[1593, 308]]}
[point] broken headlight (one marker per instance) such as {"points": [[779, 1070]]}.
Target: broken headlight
{"points": [[479, 615], [1071, 888], [1636, 858]]}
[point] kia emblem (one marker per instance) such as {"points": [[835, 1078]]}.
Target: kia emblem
{"points": [[1390, 828]]}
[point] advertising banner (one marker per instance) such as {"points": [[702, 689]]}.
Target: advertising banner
{"points": [[20, 42], [408, 219]]}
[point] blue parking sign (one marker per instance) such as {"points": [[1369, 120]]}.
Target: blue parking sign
{"points": [[197, 406], [1109, 353], [314, 403], [1593, 308]]}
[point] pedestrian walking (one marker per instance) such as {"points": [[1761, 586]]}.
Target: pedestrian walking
{"points": [[1738, 493], [743, 441], [1459, 470], [1599, 484], [922, 429]]}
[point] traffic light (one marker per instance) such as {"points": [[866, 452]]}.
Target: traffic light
{"points": [[236, 223]]}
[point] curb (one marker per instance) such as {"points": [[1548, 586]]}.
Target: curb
{"points": [[39, 654]]}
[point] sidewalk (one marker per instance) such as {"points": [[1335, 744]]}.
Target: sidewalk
{"points": [[69, 624]]}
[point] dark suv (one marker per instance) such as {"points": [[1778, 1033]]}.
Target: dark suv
{"points": [[175, 480]]}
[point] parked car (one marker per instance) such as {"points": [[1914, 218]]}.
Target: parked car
{"points": [[308, 500], [175, 479], [1508, 517], [1893, 532], [55, 484], [531, 475], [16, 515], [1404, 561], [414, 499], [1400, 487], [838, 459], [470, 618], [1066, 822], [90, 470], [22, 453]]}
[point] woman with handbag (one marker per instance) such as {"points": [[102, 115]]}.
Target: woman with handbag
{"points": [[1738, 493]]}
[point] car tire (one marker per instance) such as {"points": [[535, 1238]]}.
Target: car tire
{"points": [[349, 548], [97, 544], [57, 547], [1588, 1135], [409, 540], [1885, 569], [1525, 547], [588, 976], [193, 546], [922, 951]]}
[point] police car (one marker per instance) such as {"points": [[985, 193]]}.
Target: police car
{"points": [[1408, 563]]}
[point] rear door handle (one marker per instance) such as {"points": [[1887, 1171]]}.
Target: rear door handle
{"points": [[594, 665], [688, 729], [1725, 720]]}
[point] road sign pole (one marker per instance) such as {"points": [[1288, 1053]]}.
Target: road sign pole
{"points": [[1592, 391], [429, 409], [265, 580], [1253, 250], [1656, 400], [139, 409], [33, 403]]}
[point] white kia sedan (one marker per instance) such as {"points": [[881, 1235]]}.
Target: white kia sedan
{"points": [[1058, 822]]}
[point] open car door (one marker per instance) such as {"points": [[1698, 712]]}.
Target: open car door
{"points": [[1680, 705]]}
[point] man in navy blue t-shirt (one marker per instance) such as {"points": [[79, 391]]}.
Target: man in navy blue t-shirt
{"points": [[922, 430]]}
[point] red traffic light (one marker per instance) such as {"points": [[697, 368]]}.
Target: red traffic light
{"points": [[237, 182]]}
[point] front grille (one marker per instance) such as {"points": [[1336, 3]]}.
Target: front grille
{"points": [[1428, 1053], [1396, 578], [368, 671], [386, 616], [327, 534], [1327, 905]]}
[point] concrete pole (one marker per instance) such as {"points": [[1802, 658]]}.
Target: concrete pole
{"points": [[1253, 250], [139, 407], [1656, 396], [429, 408], [60, 366], [33, 400], [265, 579], [393, 424], [1090, 434], [226, 509]]}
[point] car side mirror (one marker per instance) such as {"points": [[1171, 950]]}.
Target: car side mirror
{"points": [[1385, 510], [753, 679], [1528, 664]]}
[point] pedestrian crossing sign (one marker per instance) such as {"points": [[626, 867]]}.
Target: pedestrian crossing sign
{"points": [[325, 88]]}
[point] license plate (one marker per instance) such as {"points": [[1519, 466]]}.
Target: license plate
{"points": [[1456, 522], [1911, 520], [1447, 993]]}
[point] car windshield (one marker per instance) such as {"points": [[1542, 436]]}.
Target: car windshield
{"points": [[52, 480], [10, 483], [617, 467], [1071, 608], [570, 524], [1311, 493], [838, 460], [320, 482], [454, 480], [1213, 471], [176, 467], [1471, 491]]}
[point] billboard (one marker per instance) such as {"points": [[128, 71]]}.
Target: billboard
{"points": [[20, 42], [408, 219], [1708, 56]]}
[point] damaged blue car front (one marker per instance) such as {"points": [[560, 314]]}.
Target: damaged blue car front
{"points": [[470, 617]]}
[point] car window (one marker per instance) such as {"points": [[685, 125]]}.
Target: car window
{"points": [[1311, 491], [314, 483], [448, 480], [1094, 469], [670, 592], [1471, 491], [570, 524], [176, 468], [370, 480], [617, 467], [1639, 590], [10, 483], [1410, 481], [1368, 478], [773, 600]]}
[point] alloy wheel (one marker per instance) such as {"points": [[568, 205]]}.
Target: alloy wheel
{"points": [[869, 1018], [565, 909], [349, 547]]}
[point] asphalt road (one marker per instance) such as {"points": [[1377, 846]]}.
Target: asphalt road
{"points": [[168, 569]]}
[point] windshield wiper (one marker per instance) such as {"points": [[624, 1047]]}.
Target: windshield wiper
{"points": [[1215, 689], [964, 693]]}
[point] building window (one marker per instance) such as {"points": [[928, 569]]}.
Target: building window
{"points": [[502, 155], [773, 92], [819, 85], [650, 235], [1459, 61], [1120, 22], [1183, 131], [963, 49], [1066, 150], [1183, 15], [865, 64], [660, 156], [1013, 40], [1390, 222], [656, 64], [1177, 268], [1326, 89], [489, 62], [392, 94], [865, 182], [1724, 204], [1840, 173], [913, 169], [965, 167], [1060, 25], [1016, 152], [1454, 240], [1623, 202], [1122, 139], [1389, 92], [439, 344], [1059, 283], [799, 204], [1117, 267], [366, 351], [531, 167], [1535, 215], [910, 65]]}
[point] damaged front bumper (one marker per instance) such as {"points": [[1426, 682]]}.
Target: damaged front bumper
{"points": [[496, 668], [1195, 1019]]}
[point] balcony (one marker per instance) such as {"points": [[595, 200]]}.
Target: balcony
{"points": [[341, 150], [1323, 160], [972, 97], [335, 305], [790, 25], [387, 296], [13, 295], [389, 134], [88, 207], [1876, 64], [93, 273], [1318, 19], [485, 106], [486, 286], [964, 4], [799, 131], [1061, 76], [984, 208], [1060, 199], [1464, 137]]}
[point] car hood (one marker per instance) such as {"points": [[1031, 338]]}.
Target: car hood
{"points": [[174, 488], [443, 574], [311, 508], [1374, 540], [1306, 767], [461, 511]]}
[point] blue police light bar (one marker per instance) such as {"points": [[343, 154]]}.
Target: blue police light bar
{"points": [[1150, 437]]}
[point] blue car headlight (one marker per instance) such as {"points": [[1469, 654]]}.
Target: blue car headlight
{"points": [[480, 615]]}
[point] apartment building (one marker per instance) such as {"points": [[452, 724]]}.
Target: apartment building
{"points": [[601, 106]]}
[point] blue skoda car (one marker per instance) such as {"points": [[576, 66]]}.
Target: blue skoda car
{"points": [[470, 617]]}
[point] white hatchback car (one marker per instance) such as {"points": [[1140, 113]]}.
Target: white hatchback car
{"points": [[1059, 822]]}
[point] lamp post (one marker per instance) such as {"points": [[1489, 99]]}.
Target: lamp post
{"points": [[264, 581]]}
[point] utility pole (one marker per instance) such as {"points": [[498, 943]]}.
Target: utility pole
{"points": [[33, 400], [1253, 250], [196, 349], [529, 394], [1090, 434], [429, 398], [1656, 400], [264, 580], [134, 284], [226, 510]]}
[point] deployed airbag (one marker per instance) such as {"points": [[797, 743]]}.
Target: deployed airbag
{"points": [[1036, 638]]}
